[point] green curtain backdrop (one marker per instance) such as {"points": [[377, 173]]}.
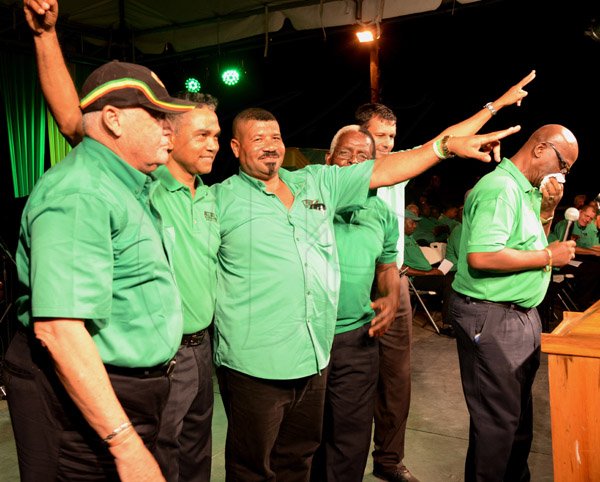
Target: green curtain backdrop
{"points": [[25, 119], [59, 147]]}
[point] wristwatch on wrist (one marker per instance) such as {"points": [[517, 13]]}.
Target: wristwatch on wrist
{"points": [[490, 107]]}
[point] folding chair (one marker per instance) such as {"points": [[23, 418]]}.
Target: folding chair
{"points": [[417, 293]]}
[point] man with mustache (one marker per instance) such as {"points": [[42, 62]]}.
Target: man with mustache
{"points": [[278, 284]]}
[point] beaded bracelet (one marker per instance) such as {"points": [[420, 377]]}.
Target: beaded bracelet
{"points": [[440, 148], [121, 428]]}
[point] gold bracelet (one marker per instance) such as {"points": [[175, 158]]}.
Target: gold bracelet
{"points": [[121, 428], [548, 266], [546, 221], [444, 146]]}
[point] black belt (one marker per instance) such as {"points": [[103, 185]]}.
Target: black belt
{"points": [[193, 339], [505, 304], [144, 372]]}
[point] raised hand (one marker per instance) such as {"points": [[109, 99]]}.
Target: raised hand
{"points": [[41, 15], [515, 94], [552, 193], [480, 146]]}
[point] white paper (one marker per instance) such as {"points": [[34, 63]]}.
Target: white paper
{"points": [[445, 266], [575, 263]]}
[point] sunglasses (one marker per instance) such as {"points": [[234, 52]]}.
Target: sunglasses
{"points": [[565, 168]]}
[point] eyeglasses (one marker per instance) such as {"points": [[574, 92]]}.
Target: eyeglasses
{"points": [[347, 155], [564, 165]]}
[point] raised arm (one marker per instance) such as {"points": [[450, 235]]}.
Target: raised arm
{"points": [[400, 166], [56, 82], [473, 124]]}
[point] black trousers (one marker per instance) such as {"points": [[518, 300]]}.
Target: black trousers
{"points": [[274, 426], [349, 406], [392, 401], [499, 354], [184, 446], [54, 442]]}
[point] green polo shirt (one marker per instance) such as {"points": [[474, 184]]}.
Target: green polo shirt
{"points": [[194, 222], [453, 246], [502, 211], [444, 220], [90, 248], [364, 238], [413, 255], [585, 237], [278, 274], [424, 229]]}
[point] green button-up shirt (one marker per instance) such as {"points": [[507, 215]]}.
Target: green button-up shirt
{"points": [[502, 211], [192, 224], [365, 237], [278, 274], [90, 248]]}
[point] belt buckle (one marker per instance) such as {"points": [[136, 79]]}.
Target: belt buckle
{"points": [[194, 339]]}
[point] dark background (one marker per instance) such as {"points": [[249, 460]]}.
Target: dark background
{"points": [[435, 69]]}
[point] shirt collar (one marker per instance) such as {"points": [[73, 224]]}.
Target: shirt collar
{"points": [[295, 183], [165, 177], [134, 180], [508, 166]]}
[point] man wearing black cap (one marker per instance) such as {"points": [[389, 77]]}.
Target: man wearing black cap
{"points": [[186, 206], [87, 375]]}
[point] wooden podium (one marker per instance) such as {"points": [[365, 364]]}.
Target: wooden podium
{"points": [[573, 350]]}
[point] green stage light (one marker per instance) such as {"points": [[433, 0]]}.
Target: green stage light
{"points": [[192, 85], [231, 76]]}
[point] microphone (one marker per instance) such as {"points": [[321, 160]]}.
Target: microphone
{"points": [[571, 215]]}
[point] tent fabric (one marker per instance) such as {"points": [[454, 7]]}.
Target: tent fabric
{"points": [[152, 24]]}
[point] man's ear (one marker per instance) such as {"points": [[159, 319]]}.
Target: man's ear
{"points": [[171, 141], [328, 157], [112, 120], [235, 147]]}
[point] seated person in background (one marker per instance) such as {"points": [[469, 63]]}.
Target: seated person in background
{"points": [[414, 208], [586, 268], [584, 233], [447, 221], [579, 201], [426, 230], [423, 275]]}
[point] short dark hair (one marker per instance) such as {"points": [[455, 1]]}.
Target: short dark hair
{"points": [[200, 99], [366, 112], [252, 113]]}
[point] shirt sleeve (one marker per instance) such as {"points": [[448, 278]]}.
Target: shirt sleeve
{"points": [[491, 224], [348, 187], [71, 258], [390, 240], [414, 257]]}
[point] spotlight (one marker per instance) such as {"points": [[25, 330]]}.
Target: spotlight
{"points": [[365, 35], [192, 85], [231, 76]]}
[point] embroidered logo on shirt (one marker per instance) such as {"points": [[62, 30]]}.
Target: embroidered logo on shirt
{"points": [[210, 216], [314, 204]]}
